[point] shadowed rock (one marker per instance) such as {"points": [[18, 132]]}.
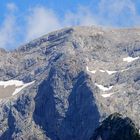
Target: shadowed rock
{"points": [[116, 127]]}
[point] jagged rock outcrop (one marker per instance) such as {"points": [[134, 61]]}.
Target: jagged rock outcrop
{"points": [[81, 75], [115, 127]]}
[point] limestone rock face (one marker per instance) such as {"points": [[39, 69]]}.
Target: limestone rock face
{"points": [[80, 76]]}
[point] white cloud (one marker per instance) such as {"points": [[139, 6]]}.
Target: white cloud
{"points": [[83, 16], [11, 7], [8, 30], [118, 13], [110, 13], [41, 21]]}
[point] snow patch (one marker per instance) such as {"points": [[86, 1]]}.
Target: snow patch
{"points": [[93, 71], [103, 88], [107, 95], [130, 59], [17, 90], [102, 70], [124, 70], [16, 83], [111, 72], [19, 85], [108, 72]]}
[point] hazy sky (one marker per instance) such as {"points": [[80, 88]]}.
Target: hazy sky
{"points": [[24, 20]]}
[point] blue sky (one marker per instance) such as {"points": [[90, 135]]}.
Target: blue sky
{"points": [[23, 21]]}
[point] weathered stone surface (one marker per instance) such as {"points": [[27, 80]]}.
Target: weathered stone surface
{"points": [[80, 78]]}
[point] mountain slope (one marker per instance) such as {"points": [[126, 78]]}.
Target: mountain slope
{"points": [[115, 127], [79, 77]]}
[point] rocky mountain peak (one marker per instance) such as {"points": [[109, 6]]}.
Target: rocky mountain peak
{"points": [[76, 78]]}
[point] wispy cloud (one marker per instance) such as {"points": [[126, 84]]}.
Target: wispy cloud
{"points": [[11, 7], [8, 28], [118, 13], [83, 16], [110, 13], [40, 20]]}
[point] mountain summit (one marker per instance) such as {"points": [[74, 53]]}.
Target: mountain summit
{"points": [[62, 85]]}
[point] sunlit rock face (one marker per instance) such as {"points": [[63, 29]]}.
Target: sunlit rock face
{"points": [[62, 85]]}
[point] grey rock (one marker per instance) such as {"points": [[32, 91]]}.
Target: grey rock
{"points": [[65, 103]]}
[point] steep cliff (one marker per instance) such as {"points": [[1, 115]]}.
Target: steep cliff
{"points": [[74, 79]]}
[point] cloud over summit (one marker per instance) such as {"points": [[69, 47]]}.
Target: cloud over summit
{"points": [[18, 27]]}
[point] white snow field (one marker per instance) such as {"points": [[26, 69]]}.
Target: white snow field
{"points": [[12, 87], [103, 88], [93, 71], [111, 72], [107, 95], [130, 59]]}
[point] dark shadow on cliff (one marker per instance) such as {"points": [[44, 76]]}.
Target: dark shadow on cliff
{"points": [[116, 127], [45, 112], [81, 118], [7, 135]]}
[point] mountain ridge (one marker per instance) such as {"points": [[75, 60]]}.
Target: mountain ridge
{"points": [[81, 75]]}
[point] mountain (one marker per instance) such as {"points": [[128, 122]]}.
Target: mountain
{"points": [[115, 127], [62, 85]]}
